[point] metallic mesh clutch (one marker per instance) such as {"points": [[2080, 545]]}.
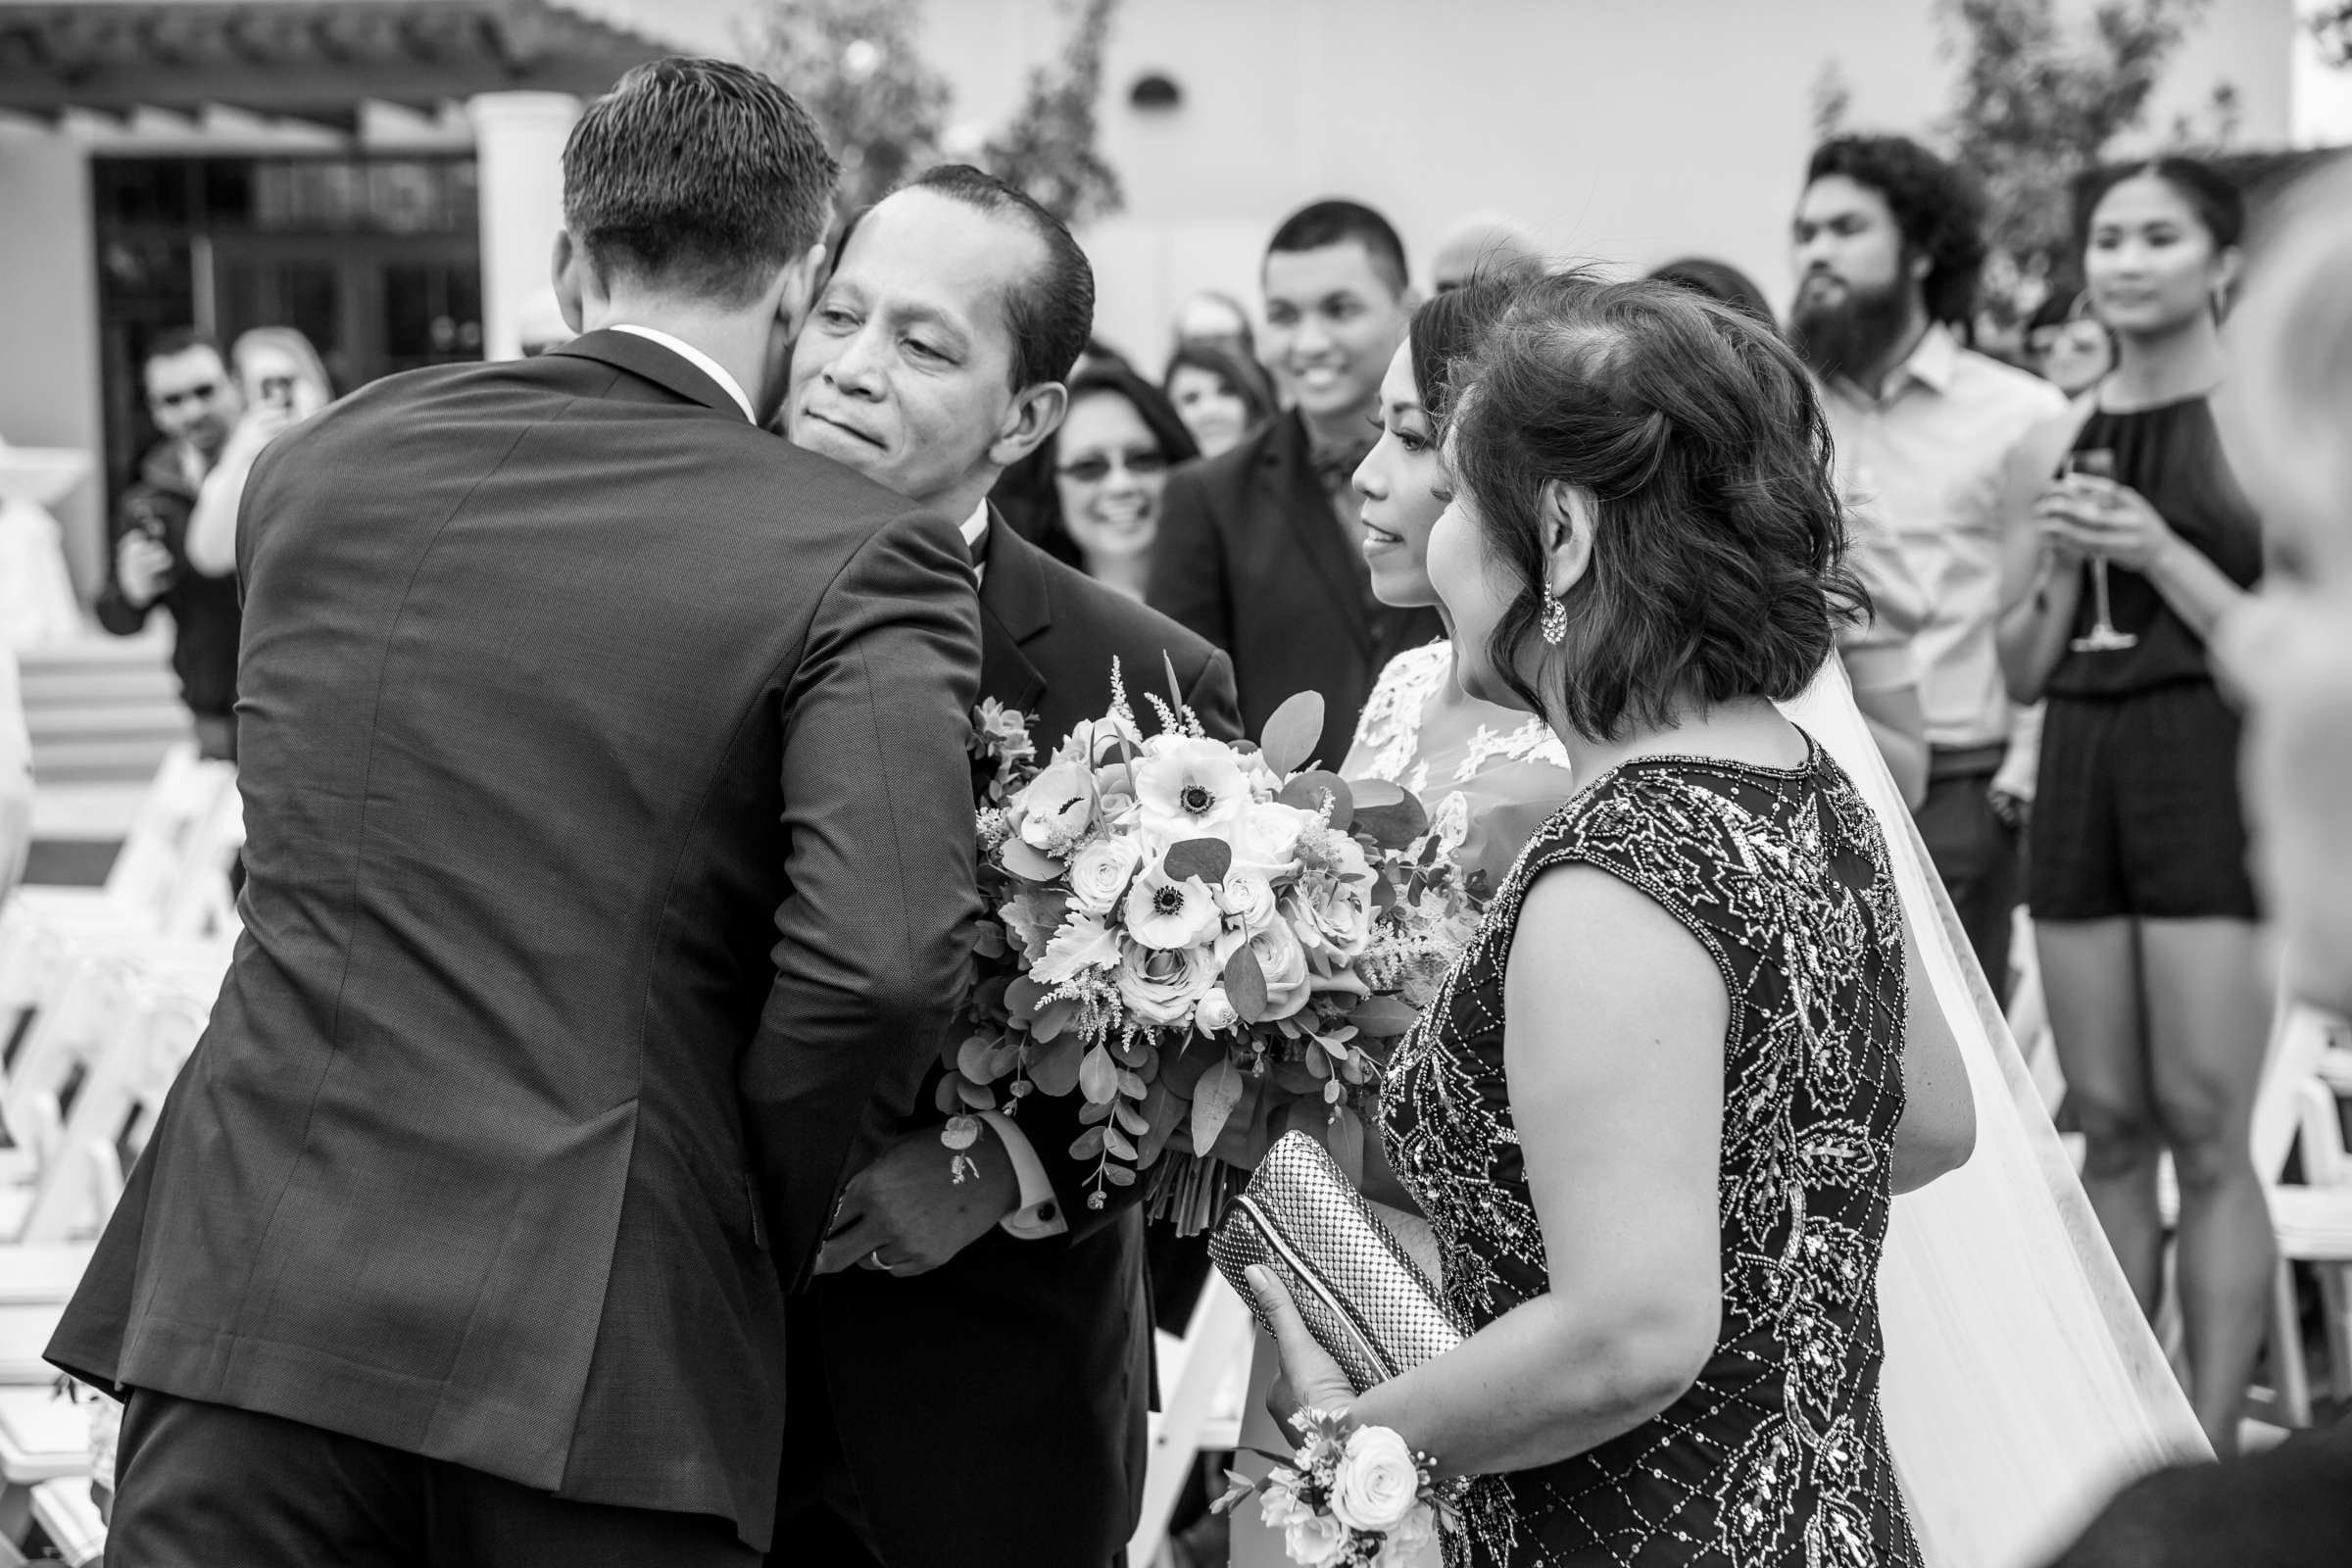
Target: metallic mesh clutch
{"points": [[1362, 1298]]}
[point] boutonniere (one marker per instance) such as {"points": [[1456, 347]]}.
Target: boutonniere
{"points": [[1000, 742]]}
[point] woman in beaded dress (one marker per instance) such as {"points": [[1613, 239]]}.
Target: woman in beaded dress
{"points": [[1659, 1109], [1487, 774]]}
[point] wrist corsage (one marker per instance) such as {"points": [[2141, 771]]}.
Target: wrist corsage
{"points": [[1352, 1497]]}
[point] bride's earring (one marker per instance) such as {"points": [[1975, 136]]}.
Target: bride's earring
{"points": [[1555, 622]]}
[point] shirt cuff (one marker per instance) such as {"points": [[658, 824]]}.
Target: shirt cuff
{"points": [[1040, 1213]]}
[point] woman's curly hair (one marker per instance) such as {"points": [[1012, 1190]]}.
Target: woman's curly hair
{"points": [[1718, 552]]}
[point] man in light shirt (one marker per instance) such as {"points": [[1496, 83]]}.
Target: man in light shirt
{"points": [[1888, 244]]}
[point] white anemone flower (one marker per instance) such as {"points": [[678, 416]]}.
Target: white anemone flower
{"points": [[1193, 789]]}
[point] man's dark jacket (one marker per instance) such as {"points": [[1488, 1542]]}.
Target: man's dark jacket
{"points": [[991, 1410], [609, 849], [204, 609], [1251, 556]]}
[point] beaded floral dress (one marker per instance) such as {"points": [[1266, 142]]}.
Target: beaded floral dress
{"points": [[1777, 1454]]}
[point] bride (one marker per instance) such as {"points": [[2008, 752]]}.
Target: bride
{"points": [[1487, 774], [1679, 1346]]}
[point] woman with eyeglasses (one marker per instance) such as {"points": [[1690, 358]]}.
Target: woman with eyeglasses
{"points": [[1108, 464], [283, 382]]}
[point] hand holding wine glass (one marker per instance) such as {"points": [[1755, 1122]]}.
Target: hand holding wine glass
{"points": [[2083, 529]]}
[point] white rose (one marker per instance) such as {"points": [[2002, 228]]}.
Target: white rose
{"points": [[1283, 961], [1216, 1013], [1278, 1500], [1162, 987], [1101, 873], [1409, 1542], [1334, 914], [1376, 1482], [1266, 840], [1249, 898], [1315, 1539], [1056, 808]]}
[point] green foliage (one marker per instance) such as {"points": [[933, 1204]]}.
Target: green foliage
{"points": [[857, 66], [2332, 24], [2038, 104], [1049, 148]]}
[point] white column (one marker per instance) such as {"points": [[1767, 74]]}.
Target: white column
{"points": [[49, 364], [519, 155]]}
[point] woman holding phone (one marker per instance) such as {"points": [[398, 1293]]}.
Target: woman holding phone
{"points": [[284, 382], [2118, 572]]}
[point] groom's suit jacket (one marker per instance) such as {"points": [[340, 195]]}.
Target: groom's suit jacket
{"points": [[610, 852], [991, 1410]]}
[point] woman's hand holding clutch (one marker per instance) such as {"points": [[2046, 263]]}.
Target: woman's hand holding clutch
{"points": [[1310, 1378]]}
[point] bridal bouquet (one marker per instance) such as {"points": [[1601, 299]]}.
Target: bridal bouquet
{"points": [[1178, 925]]}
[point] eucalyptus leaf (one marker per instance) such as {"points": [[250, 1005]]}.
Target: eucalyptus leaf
{"points": [[1343, 1135], [1088, 1144], [1206, 858], [1307, 790], [1392, 826], [1053, 1066], [1245, 984], [1099, 1077], [1291, 736], [1115, 1142], [1031, 866], [1119, 1175], [1383, 1018], [1214, 1099]]}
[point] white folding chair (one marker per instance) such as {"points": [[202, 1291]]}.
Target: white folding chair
{"points": [[70, 1519], [114, 1113], [1202, 1378]]}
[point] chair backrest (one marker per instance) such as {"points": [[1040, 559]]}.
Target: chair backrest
{"points": [[2321, 1131], [112, 1113], [201, 903], [147, 871]]}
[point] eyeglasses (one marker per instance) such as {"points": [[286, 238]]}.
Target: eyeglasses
{"points": [[277, 388], [1093, 469], [203, 392]]}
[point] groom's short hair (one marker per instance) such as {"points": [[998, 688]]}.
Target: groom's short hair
{"points": [[699, 177]]}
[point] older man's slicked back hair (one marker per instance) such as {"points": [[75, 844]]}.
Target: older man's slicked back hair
{"points": [[697, 176], [1052, 313]]}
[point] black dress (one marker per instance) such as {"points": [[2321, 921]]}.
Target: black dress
{"points": [[2136, 812], [1777, 1454]]}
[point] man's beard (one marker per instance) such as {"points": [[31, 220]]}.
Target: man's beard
{"points": [[1852, 336]]}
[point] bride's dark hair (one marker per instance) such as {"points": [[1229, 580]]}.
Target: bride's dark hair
{"points": [[1718, 552]]}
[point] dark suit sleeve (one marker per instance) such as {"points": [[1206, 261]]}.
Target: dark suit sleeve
{"points": [[1211, 699], [1188, 562], [873, 944]]}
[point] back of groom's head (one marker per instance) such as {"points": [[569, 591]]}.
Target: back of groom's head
{"points": [[697, 178]]}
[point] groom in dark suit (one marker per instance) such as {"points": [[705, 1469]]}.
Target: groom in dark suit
{"points": [[609, 858], [980, 1351], [1261, 550]]}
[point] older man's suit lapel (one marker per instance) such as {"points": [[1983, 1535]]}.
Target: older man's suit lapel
{"points": [[1014, 609], [1293, 493]]}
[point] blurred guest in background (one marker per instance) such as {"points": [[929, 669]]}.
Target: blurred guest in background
{"points": [[1881, 664], [1481, 245], [2067, 346], [2144, 914], [282, 382], [1219, 393], [195, 403], [1888, 245], [1720, 281], [1259, 546], [1210, 320], [2289, 404], [1109, 463]]}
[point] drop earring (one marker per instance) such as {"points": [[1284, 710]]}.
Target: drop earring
{"points": [[1556, 623]]}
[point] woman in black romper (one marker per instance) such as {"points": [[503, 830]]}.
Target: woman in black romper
{"points": [[2144, 914]]}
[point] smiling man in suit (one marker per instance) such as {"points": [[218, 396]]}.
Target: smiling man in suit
{"points": [[970, 1377], [1261, 548]]}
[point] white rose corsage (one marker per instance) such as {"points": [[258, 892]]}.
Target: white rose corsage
{"points": [[1352, 1497]]}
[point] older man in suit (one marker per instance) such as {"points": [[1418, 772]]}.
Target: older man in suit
{"points": [[609, 854], [980, 1347], [1260, 550]]}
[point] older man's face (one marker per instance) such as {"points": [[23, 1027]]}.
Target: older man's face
{"points": [[904, 371]]}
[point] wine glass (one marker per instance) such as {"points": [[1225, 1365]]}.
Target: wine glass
{"points": [[2102, 638]]}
